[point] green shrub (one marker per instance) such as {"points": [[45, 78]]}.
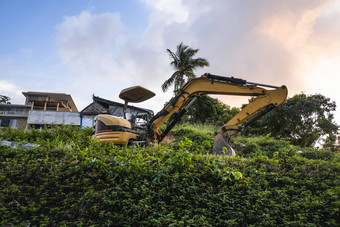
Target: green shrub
{"points": [[318, 154], [199, 134], [261, 145], [72, 180]]}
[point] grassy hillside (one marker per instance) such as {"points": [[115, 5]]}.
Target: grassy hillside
{"points": [[72, 180]]}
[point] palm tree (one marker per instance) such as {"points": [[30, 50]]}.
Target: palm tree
{"points": [[184, 65]]}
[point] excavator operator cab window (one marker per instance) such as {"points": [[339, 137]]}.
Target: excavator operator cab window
{"points": [[101, 127], [142, 119]]}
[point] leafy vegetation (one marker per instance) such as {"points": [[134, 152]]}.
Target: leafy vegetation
{"points": [[198, 133], [4, 99], [208, 110], [73, 180], [303, 120]]}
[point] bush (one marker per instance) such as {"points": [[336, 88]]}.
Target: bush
{"points": [[259, 146], [199, 134], [73, 180], [326, 155]]}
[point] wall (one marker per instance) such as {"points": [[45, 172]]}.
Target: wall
{"points": [[48, 117], [88, 121]]}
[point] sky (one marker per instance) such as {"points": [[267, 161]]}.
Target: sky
{"points": [[86, 47]]}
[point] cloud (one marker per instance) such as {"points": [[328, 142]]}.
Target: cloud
{"points": [[10, 90], [96, 45], [271, 42], [275, 42], [104, 59], [170, 10], [87, 42], [263, 41]]}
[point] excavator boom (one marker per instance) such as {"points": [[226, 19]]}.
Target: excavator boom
{"points": [[129, 129], [264, 101]]}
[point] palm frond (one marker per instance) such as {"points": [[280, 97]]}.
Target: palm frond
{"points": [[199, 62], [190, 75], [175, 61], [191, 52], [169, 82]]}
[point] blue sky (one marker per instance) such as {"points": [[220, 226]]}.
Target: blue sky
{"points": [[101, 47], [33, 22]]}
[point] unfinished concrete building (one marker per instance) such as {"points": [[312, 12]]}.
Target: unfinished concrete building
{"points": [[50, 108], [14, 115]]}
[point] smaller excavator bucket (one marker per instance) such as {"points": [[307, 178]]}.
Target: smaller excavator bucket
{"points": [[221, 145]]}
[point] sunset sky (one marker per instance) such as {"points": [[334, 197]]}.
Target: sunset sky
{"points": [[85, 47]]}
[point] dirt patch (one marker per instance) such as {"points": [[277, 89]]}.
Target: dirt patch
{"points": [[169, 138]]}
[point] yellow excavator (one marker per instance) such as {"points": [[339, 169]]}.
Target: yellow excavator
{"points": [[144, 128]]}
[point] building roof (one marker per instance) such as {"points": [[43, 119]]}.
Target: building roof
{"points": [[53, 97], [93, 109], [104, 105]]}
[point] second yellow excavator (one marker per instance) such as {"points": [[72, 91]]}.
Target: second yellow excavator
{"points": [[144, 128]]}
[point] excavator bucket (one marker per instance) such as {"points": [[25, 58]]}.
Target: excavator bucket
{"points": [[221, 145]]}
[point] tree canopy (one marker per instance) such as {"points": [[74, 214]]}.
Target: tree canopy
{"points": [[184, 65], [210, 110], [304, 120], [4, 99]]}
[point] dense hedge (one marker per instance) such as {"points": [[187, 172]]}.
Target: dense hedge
{"points": [[72, 180]]}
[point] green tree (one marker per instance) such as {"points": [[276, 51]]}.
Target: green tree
{"points": [[4, 99], [184, 65], [304, 120], [210, 110]]}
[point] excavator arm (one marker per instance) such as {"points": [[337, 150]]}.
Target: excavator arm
{"points": [[264, 101]]}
